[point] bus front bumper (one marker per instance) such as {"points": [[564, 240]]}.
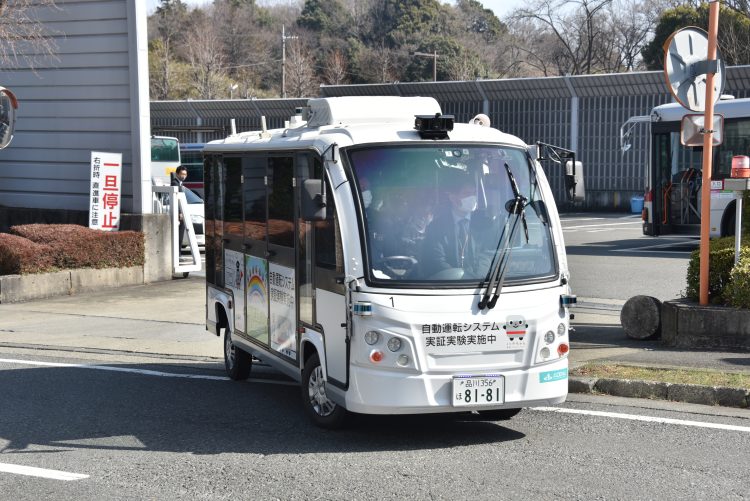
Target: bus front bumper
{"points": [[373, 391]]}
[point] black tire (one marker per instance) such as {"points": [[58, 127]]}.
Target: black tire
{"points": [[323, 412], [498, 414], [236, 361]]}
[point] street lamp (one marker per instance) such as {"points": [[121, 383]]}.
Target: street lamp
{"points": [[434, 57], [284, 38], [232, 88]]}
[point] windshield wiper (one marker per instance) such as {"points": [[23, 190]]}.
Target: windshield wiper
{"points": [[500, 265]]}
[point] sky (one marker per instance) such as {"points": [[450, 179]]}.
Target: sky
{"points": [[500, 7]]}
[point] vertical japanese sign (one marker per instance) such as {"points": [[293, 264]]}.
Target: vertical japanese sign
{"points": [[106, 183], [283, 310]]}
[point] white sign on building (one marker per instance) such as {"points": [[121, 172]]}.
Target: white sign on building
{"points": [[105, 199]]}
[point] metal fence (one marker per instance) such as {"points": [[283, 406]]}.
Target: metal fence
{"points": [[583, 113]]}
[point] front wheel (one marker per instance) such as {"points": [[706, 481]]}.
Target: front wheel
{"points": [[236, 361], [324, 412], [498, 414]]}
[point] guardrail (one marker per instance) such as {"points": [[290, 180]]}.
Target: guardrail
{"points": [[167, 199]]}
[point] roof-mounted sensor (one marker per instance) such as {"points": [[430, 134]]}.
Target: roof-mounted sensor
{"points": [[433, 126]]}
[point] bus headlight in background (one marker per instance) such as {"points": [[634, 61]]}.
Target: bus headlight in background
{"points": [[549, 337], [394, 344], [403, 360], [561, 330], [372, 337]]}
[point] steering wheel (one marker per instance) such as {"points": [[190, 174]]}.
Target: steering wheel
{"points": [[399, 265]]}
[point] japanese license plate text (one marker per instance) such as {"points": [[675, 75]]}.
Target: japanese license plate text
{"points": [[478, 390]]}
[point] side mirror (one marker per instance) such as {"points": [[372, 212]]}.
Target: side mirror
{"points": [[574, 185], [8, 106], [314, 201], [534, 152]]}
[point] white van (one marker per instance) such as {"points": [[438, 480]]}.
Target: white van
{"points": [[389, 259]]}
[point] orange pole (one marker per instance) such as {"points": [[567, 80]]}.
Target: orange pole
{"points": [[708, 121]]}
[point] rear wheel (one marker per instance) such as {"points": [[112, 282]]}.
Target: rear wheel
{"points": [[236, 361], [498, 414], [324, 412]]}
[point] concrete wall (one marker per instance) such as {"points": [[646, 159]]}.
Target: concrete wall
{"points": [[94, 96]]}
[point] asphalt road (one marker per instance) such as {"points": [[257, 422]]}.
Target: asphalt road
{"points": [[162, 435], [142, 424], [610, 258]]}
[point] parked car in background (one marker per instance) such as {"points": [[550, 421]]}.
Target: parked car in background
{"points": [[197, 216]]}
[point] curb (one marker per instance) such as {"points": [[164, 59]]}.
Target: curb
{"points": [[677, 392], [19, 288]]}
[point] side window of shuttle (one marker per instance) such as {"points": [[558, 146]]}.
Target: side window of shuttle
{"points": [[210, 215], [329, 254]]}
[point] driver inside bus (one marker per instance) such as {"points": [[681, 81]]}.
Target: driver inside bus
{"points": [[452, 242]]}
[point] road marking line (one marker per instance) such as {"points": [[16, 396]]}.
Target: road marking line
{"points": [[659, 246], [581, 219], [144, 372], [41, 472], [648, 419], [631, 223]]}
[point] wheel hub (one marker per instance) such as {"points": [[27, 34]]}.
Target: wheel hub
{"points": [[317, 393]]}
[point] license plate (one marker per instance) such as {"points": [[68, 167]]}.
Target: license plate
{"points": [[478, 390]]}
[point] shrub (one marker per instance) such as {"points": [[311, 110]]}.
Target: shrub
{"points": [[20, 255], [737, 293], [720, 264], [75, 246]]}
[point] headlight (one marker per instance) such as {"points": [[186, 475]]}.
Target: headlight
{"points": [[372, 337], [561, 329], [196, 219], [549, 337], [394, 344]]}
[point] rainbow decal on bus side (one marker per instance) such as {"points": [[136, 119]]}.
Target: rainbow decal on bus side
{"points": [[256, 298], [257, 292]]}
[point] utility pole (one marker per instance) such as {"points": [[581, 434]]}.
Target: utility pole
{"points": [[284, 38], [434, 57]]}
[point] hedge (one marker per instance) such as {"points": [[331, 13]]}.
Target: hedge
{"points": [[19, 256], [68, 246], [720, 264]]}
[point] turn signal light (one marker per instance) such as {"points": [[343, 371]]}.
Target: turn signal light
{"points": [[376, 356], [563, 349]]}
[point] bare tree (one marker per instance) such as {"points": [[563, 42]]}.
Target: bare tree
{"points": [[335, 68], [576, 27], [534, 48], [23, 35], [300, 72], [206, 60]]}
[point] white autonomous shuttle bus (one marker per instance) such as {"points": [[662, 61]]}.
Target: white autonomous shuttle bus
{"points": [[390, 264]]}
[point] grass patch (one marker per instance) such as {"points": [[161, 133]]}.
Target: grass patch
{"points": [[683, 376]]}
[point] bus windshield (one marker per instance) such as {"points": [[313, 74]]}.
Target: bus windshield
{"points": [[165, 149], [437, 214]]}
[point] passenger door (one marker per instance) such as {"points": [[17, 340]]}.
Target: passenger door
{"points": [[233, 236], [281, 255]]}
